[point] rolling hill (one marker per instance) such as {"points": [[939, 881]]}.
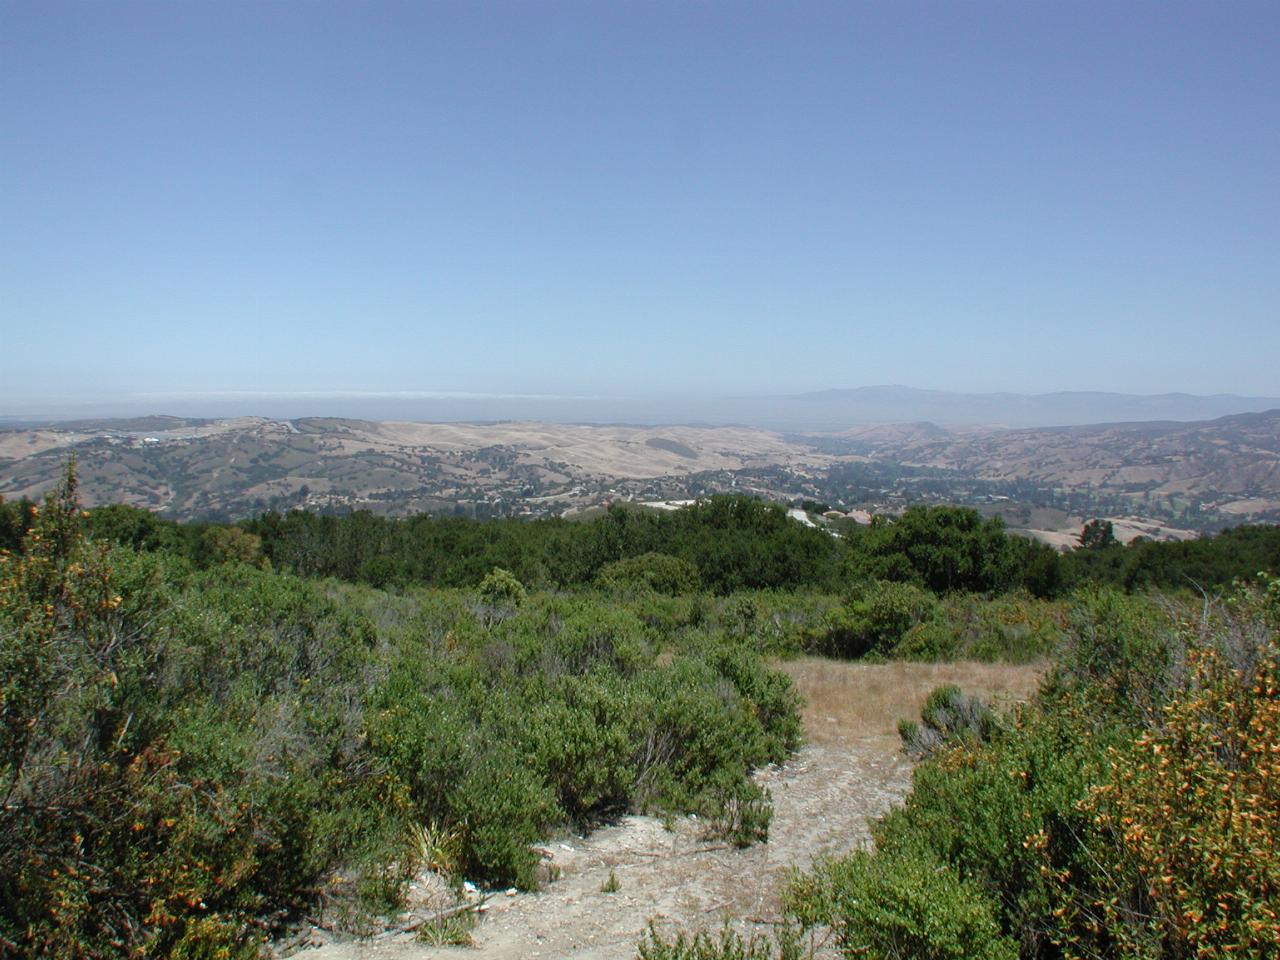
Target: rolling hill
{"points": [[1206, 472]]}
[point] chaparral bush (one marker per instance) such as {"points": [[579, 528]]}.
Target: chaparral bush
{"points": [[192, 754], [1131, 811]]}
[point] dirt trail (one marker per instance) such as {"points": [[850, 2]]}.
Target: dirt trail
{"points": [[850, 772]]}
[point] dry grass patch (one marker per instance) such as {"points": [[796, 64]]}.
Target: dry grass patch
{"points": [[856, 700]]}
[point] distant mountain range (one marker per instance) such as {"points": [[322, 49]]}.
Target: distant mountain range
{"points": [[826, 410]]}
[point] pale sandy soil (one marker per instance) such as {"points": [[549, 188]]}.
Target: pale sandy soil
{"points": [[1129, 528], [27, 443], [1124, 528], [1249, 506], [851, 771], [1058, 539]]}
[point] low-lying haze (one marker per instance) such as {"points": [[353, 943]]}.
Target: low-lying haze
{"points": [[824, 410]]}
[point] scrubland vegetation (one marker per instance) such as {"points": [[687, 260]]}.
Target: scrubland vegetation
{"points": [[1132, 810], [210, 731]]}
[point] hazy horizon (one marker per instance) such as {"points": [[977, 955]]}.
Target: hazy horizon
{"points": [[825, 410], [670, 200]]}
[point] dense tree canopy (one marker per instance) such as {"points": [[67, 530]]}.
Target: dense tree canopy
{"points": [[731, 542]]}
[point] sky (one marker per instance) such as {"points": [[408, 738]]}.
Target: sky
{"points": [[637, 198]]}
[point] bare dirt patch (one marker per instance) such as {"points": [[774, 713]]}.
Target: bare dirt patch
{"points": [[860, 701], [850, 772]]}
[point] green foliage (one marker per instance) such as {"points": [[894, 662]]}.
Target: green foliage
{"points": [[949, 717], [741, 812], [133, 527], [596, 725], [192, 746], [941, 548], [1000, 816], [1129, 812], [581, 739], [1187, 825], [1122, 653], [185, 752], [781, 623], [1208, 563], [1006, 810], [732, 543], [1098, 535], [230, 545], [741, 616], [612, 884], [501, 589], [875, 621], [451, 931], [504, 807], [1011, 627], [16, 518], [908, 904], [106, 842], [728, 945], [659, 572]]}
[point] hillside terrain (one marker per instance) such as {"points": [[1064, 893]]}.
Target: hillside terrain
{"points": [[189, 468], [1230, 465], [1180, 476]]}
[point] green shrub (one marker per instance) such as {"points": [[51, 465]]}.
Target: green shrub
{"points": [[501, 589], [728, 945], [1187, 827], [229, 545], [1011, 628], [1119, 815], [504, 808], [942, 548], [741, 616], [949, 717], [659, 572], [1123, 653], [190, 757], [876, 619], [1006, 814], [909, 904], [771, 697], [569, 702], [184, 756], [574, 636], [580, 736], [698, 730], [451, 931], [741, 812]]}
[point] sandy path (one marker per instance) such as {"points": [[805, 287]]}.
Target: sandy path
{"points": [[850, 772]]}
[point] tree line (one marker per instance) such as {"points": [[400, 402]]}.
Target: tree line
{"points": [[728, 542]]}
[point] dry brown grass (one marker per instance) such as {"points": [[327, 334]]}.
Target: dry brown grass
{"points": [[857, 700]]}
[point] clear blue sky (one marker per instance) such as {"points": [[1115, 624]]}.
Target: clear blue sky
{"points": [[639, 198]]}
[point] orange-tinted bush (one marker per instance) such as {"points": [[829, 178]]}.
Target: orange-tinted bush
{"points": [[1189, 822]]}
